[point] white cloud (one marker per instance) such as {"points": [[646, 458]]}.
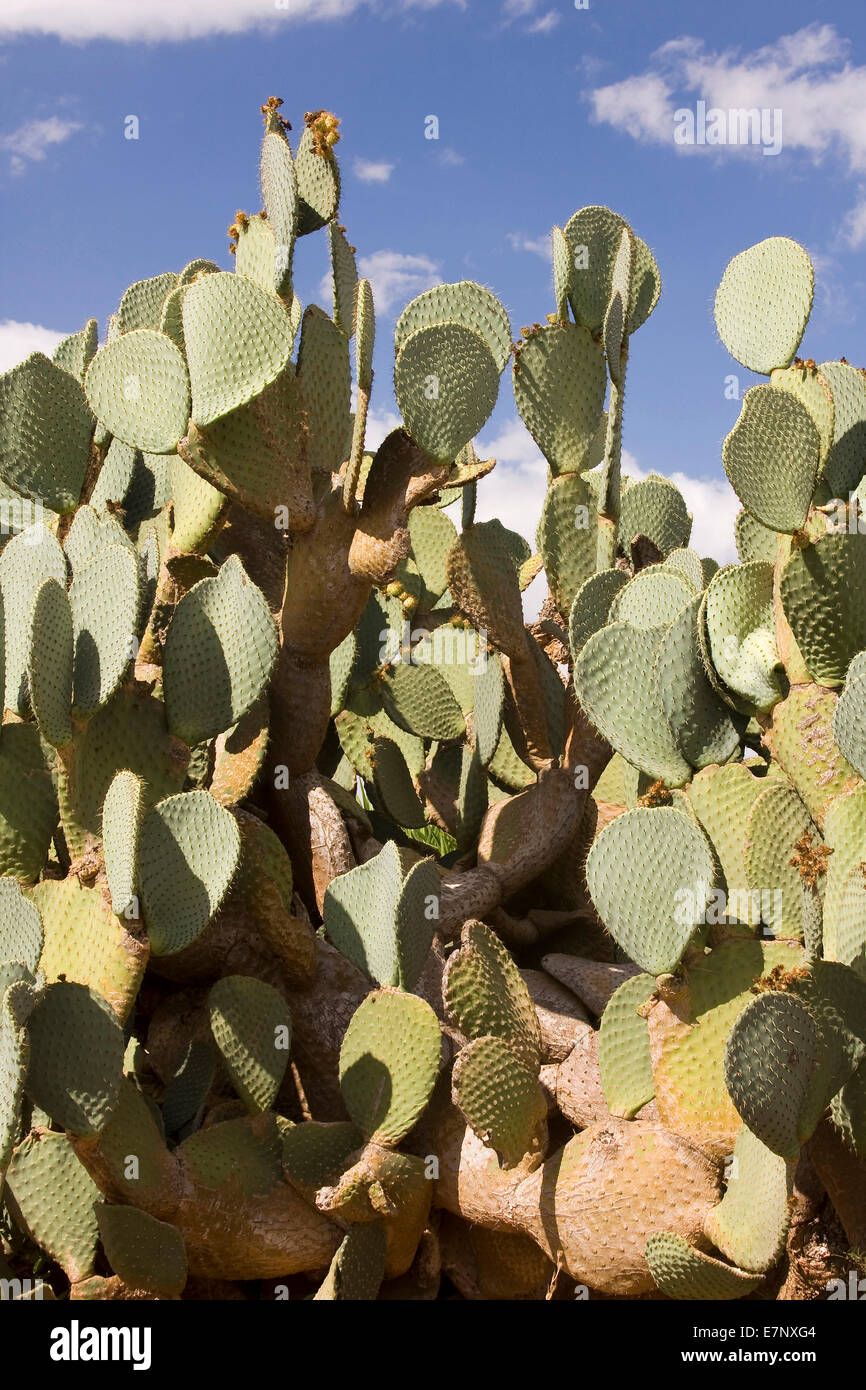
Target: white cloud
{"points": [[372, 171], [18, 340], [854, 226], [396, 278], [450, 157], [173, 20], [807, 75], [539, 246], [32, 140], [545, 23]]}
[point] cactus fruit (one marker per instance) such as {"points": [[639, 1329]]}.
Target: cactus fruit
{"points": [[356, 931]]}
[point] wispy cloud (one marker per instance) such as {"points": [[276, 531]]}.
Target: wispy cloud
{"points": [[30, 142], [372, 170], [397, 277], [539, 246], [450, 157], [545, 23], [173, 20], [807, 74], [18, 340]]}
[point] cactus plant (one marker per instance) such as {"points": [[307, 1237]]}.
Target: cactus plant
{"points": [[355, 931]]}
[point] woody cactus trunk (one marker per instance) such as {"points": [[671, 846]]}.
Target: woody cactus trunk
{"points": [[360, 940]]}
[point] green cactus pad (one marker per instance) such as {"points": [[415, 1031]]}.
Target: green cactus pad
{"points": [[75, 351], [739, 625], [483, 584], [704, 728], [134, 481], [256, 253], [50, 665], [21, 933], [393, 783], [446, 381], [186, 1091], [45, 432], [28, 804], [845, 894], [772, 457], [138, 386], [238, 340], [653, 914], [485, 994], [754, 540], [141, 305], [53, 1196], [591, 606], [232, 1154], [318, 185], [16, 998], [382, 914], [849, 722], [614, 329], [467, 303], [358, 1268], [324, 376], [76, 1057], [171, 317], [820, 588], [85, 942], [750, 1223], [488, 699], [499, 1097], [722, 798], [365, 334], [389, 1061], [843, 466], [763, 303], [280, 197], [419, 700], [683, 1272], [122, 815], [651, 599], [252, 1028], [688, 1037], [433, 535], [567, 537], [146, 1253], [812, 390], [593, 236], [104, 601], [623, 1048], [219, 653], [689, 564], [777, 820], [654, 507], [314, 1154], [90, 533], [559, 385], [344, 273], [28, 559], [613, 681], [770, 1057], [129, 732], [188, 853]]}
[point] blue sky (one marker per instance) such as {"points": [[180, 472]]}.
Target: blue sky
{"points": [[542, 108]]}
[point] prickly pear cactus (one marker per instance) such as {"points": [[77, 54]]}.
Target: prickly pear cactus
{"points": [[359, 939]]}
